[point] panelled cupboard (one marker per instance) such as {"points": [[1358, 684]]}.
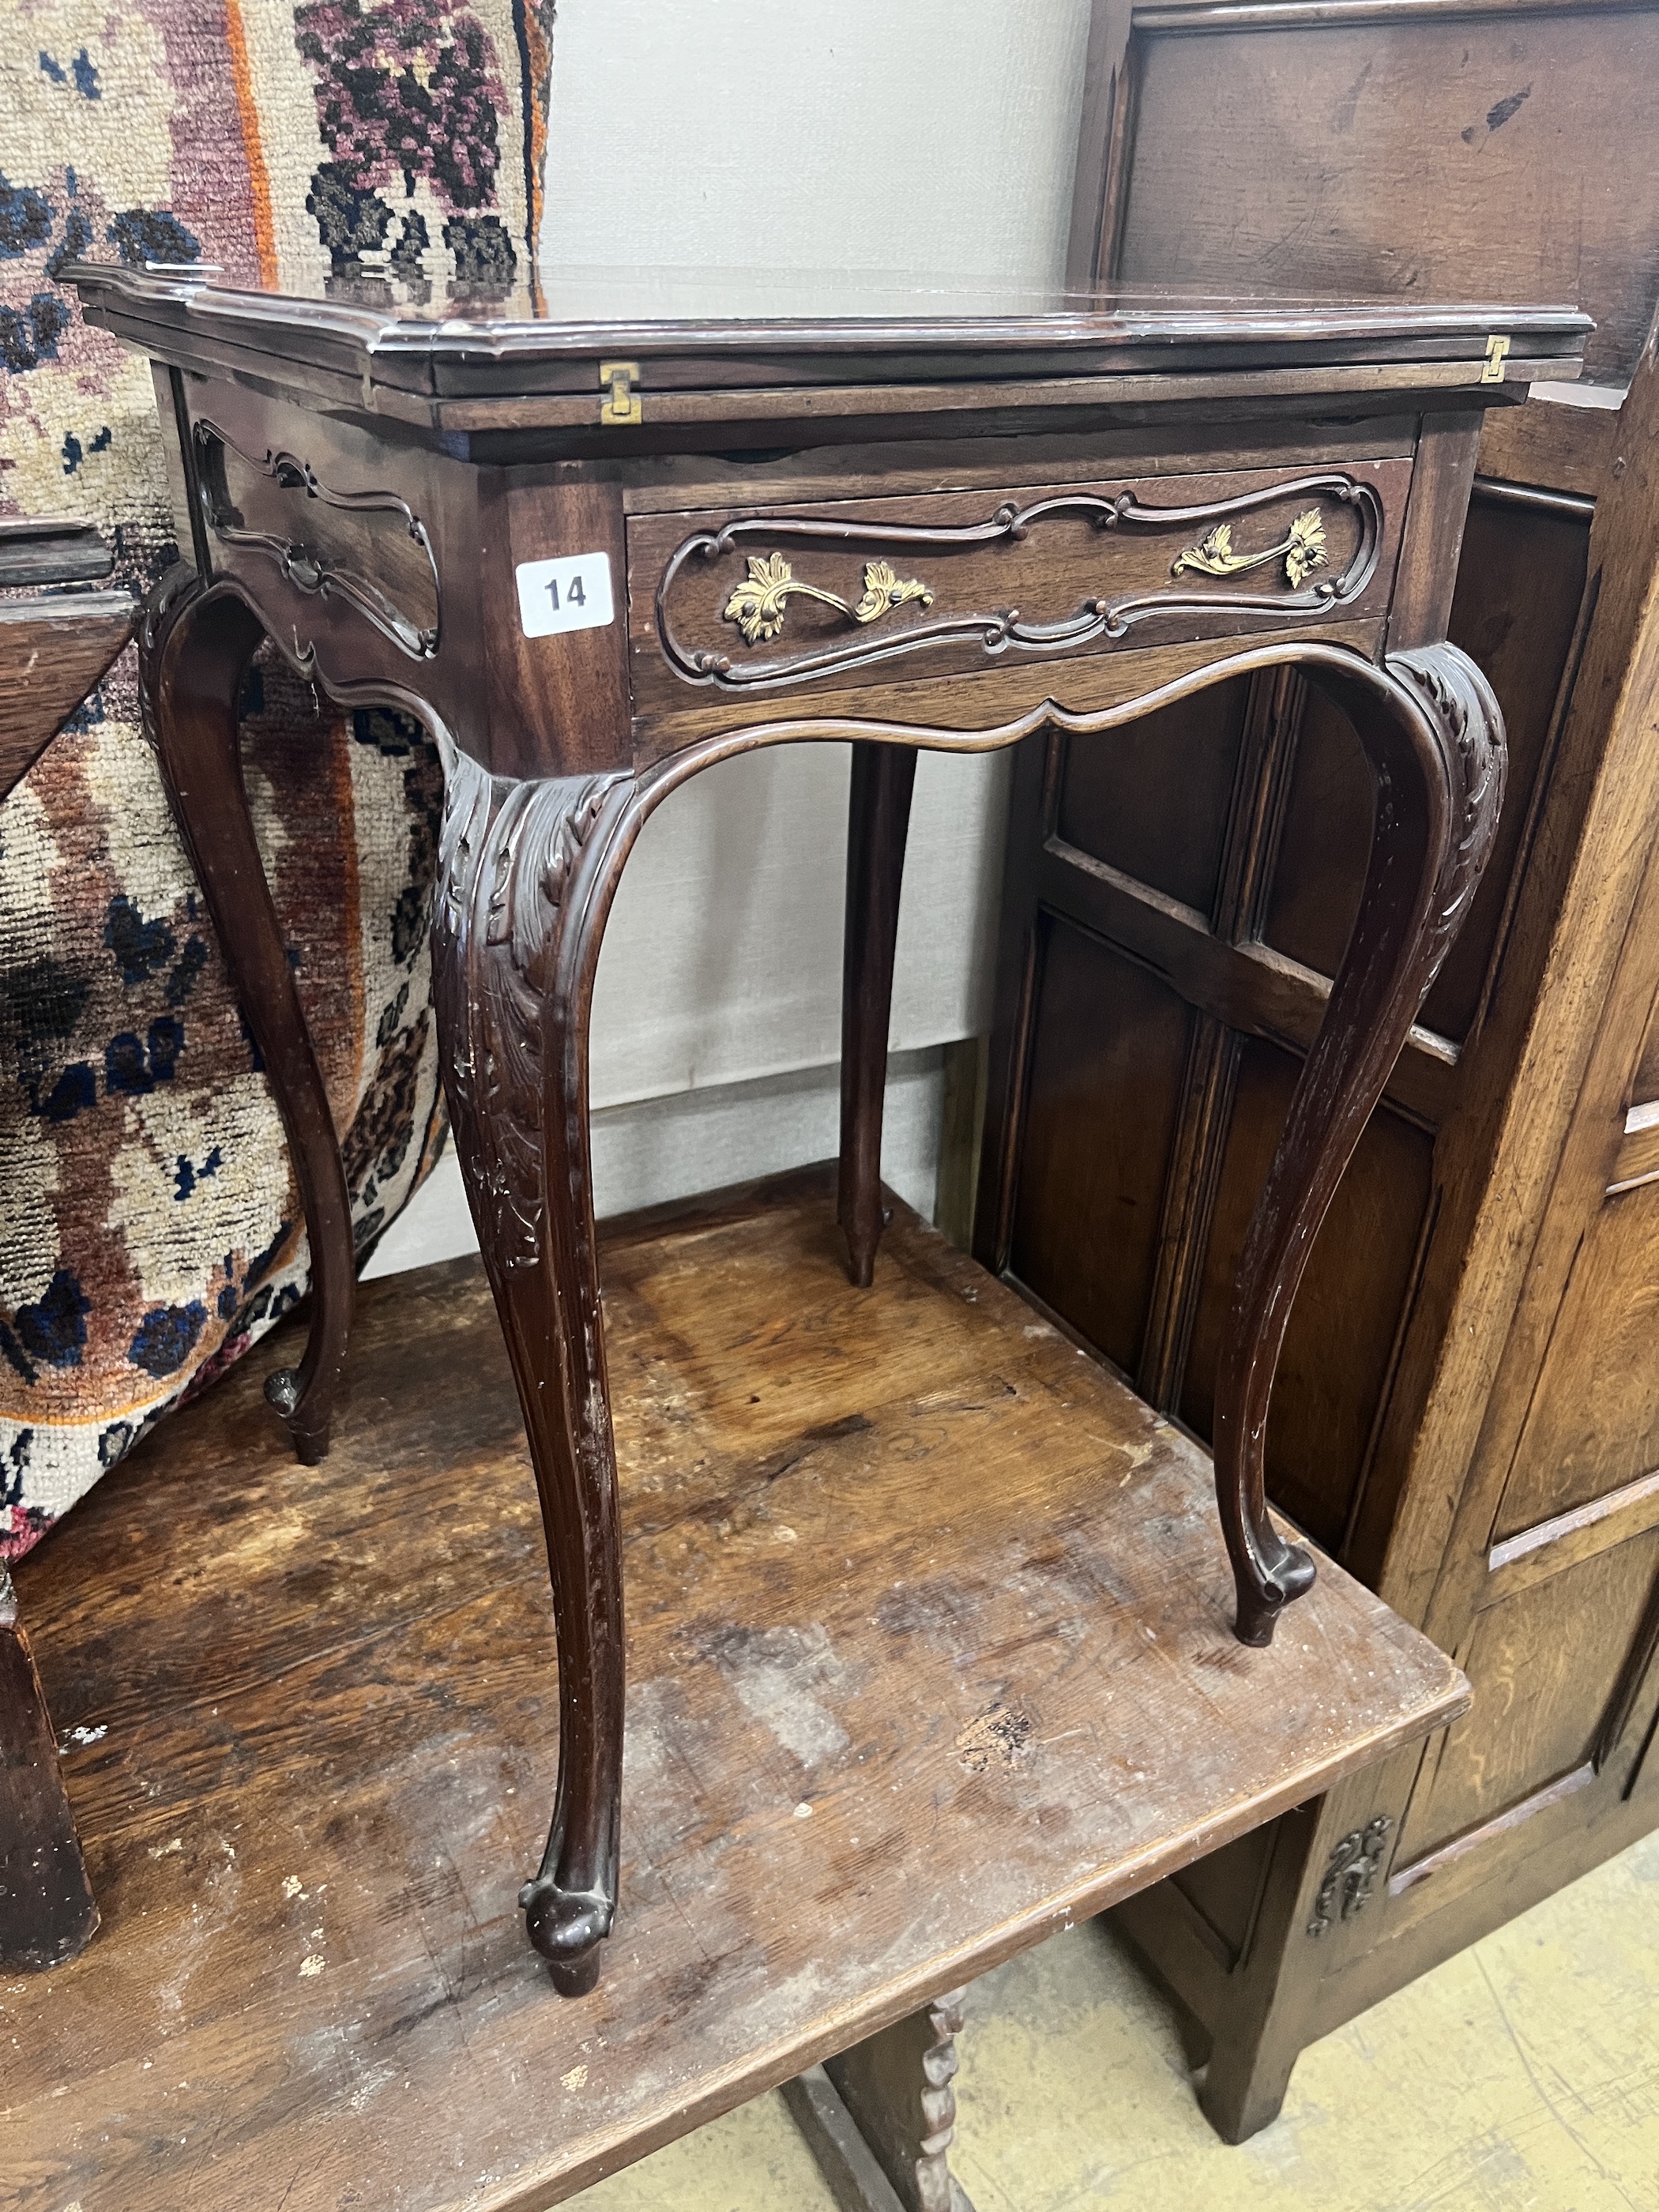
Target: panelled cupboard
{"points": [[1467, 1410], [1489, 1468]]}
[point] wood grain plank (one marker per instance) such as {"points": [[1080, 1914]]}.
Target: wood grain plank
{"points": [[1550, 444], [42, 550], [52, 652], [1533, 1555], [1251, 987], [1636, 1160]]}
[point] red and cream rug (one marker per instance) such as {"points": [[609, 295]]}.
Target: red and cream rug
{"points": [[149, 1225]]}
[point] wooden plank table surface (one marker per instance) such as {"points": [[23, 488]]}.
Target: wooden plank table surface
{"points": [[929, 1655]]}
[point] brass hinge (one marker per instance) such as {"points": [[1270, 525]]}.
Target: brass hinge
{"points": [[621, 403], [1496, 348]]}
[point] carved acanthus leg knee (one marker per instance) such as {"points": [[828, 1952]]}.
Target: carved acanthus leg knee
{"points": [[879, 818], [193, 650], [1434, 738], [513, 947]]}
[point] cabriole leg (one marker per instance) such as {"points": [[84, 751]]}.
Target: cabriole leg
{"points": [[1434, 738], [513, 944], [878, 821], [193, 650]]}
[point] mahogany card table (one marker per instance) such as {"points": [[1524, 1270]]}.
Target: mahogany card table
{"points": [[594, 557]]}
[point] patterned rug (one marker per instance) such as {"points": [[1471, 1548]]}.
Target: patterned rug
{"points": [[148, 1223]]}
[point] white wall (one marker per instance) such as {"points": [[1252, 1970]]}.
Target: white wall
{"points": [[722, 960], [847, 145], [665, 1148], [727, 155]]}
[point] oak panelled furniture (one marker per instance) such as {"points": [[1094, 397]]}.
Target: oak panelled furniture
{"points": [[596, 557], [53, 650], [1415, 149], [1411, 149], [1486, 1371]]}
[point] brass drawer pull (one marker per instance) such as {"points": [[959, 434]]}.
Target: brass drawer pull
{"points": [[1303, 551], [756, 605]]}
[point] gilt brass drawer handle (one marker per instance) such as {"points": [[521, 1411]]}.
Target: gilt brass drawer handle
{"points": [[756, 605], [1303, 551]]}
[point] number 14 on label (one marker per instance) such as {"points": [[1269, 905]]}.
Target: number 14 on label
{"points": [[573, 593]]}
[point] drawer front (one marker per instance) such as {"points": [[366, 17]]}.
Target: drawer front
{"points": [[269, 511], [766, 601]]}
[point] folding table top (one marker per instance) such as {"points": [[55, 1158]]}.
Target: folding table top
{"points": [[929, 1655], [702, 349]]}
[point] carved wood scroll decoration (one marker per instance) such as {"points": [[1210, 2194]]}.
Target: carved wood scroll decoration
{"points": [[1351, 1868], [505, 854], [510, 934], [756, 605], [1470, 724], [310, 569]]}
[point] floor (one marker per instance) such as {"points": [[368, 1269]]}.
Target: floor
{"points": [[1521, 2076]]}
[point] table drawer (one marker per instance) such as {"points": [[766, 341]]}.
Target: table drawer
{"points": [[762, 600]]}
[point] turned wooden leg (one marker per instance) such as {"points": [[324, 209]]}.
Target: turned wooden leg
{"points": [[194, 647], [877, 819], [514, 943], [46, 1908], [880, 2117], [1434, 738]]}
